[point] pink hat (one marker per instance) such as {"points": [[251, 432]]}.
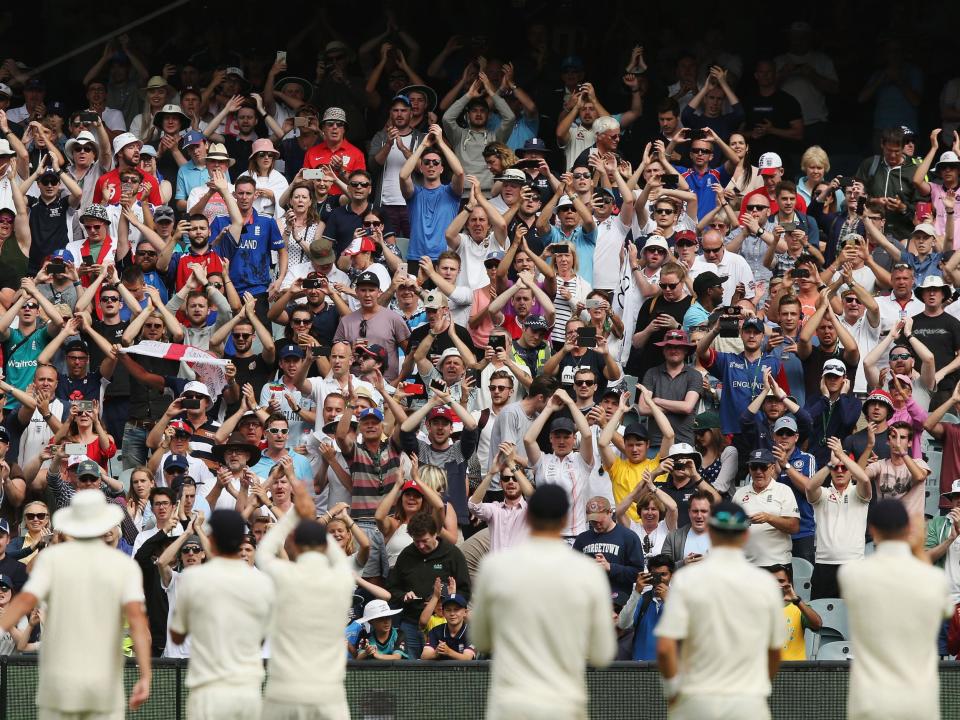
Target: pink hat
{"points": [[263, 145], [906, 380]]}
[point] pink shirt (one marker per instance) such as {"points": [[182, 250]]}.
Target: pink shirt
{"points": [[508, 525]]}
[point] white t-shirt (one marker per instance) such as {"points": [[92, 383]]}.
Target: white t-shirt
{"points": [[171, 649], [573, 475], [390, 181], [321, 387], [867, 337], [728, 613], [734, 268], [36, 436], [841, 520], [606, 255], [84, 584], [224, 606], [766, 545], [473, 255]]}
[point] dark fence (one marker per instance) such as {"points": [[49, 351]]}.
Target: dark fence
{"points": [[458, 691]]}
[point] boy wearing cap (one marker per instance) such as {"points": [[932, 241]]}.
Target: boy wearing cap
{"points": [[564, 466], [448, 641], [194, 172], [722, 596], [834, 409]]}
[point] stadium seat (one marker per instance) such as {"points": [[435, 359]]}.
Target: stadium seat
{"points": [[835, 651], [833, 613], [402, 243], [931, 503], [124, 477], [802, 572]]}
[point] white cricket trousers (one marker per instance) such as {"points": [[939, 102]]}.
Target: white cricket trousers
{"points": [[224, 702], [719, 707], [48, 714], [335, 710]]}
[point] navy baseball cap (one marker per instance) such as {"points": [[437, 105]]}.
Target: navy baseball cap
{"points": [[456, 598], [6, 582], [753, 323], [535, 144], [192, 137], [176, 461], [562, 424], [637, 430], [4, 526], [761, 456], [290, 350]]}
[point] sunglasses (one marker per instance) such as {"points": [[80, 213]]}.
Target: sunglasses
{"points": [[837, 468], [686, 243], [263, 154], [712, 251], [508, 478], [581, 176], [49, 182], [784, 433], [242, 336], [664, 211], [93, 227], [655, 250], [430, 162], [372, 223], [172, 471], [84, 148], [584, 383], [363, 328], [668, 286], [147, 253], [701, 151], [35, 516], [758, 466], [153, 326], [359, 183], [334, 123], [31, 306], [758, 207], [192, 550], [854, 300], [718, 224], [301, 321], [278, 431], [112, 299], [6, 220], [901, 356], [504, 388], [901, 266]]}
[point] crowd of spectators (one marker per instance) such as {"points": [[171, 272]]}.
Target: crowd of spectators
{"points": [[424, 278]]}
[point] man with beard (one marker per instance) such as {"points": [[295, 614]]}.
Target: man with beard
{"points": [[197, 229], [126, 152], [335, 150], [255, 369]]}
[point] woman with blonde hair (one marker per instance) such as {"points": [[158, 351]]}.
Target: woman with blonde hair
{"points": [[815, 164], [572, 289], [271, 184], [138, 498], [348, 535], [498, 157], [154, 98], [435, 478], [39, 533]]}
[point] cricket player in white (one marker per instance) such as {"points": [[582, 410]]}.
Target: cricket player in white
{"points": [[729, 616], [88, 588], [896, 602], [545, 612], [224, 606], [313, 596]]}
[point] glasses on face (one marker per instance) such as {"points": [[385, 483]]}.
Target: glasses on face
{"points": [[758, 466], [278, 431], [712, 251], [153, 326], [359, 183], [263, 155], [785, 433], [584, 383], [430, 162], [718, 225], [193, 396], [334, 123], [35, 516], [701, 151], [83, 148], [668, 286], [147, 253], [758, 208], [664, 211], [49, 182], [242, 336], [901, 356], [372, 223], [174, 471], [93, 227], [499, 388], [162, 503], [193, 550], [6, 220], [300, 321], [901, 266], [581, 175], [31, 306], [836, 467], [655, 251], [854, 300], [110, 299]]}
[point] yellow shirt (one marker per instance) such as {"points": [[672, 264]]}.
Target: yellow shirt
{"points": [[625, 476], [795, 647]]}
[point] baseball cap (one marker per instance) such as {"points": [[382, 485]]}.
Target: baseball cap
{"points": [[833, 366], [769, 163], [563, 424], [361, 245], [435, 300], [164, 213], [456, 598], [4, 526], [191, 138], [954, 490], [5, 90], [785, 422], [708, 420], [88, 468], [706, 280], [192, 541], [761, 456], [370, 412], [925, 229], [598, 508], [367, 278], [685, 237], [176, 461], [637, 430], [728, 516], [753, 323], [410, 485], [195, 386], [4, 435], [290, 350], [534, 144], [571, 62], [536, 322], [181, 426], [5, 580], [77, 345], [512, 175], [444, 413], [375, 351], [494, 256]]}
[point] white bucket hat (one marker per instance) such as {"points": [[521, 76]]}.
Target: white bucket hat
{"points": [[376, 609], [84, 137], [947, 158], [88, 515]]}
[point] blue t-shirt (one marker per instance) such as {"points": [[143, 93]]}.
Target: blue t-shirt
{"points": [[301, 466], [189, 176], [805, 464], [431, 212], [922, 268], [249, 255], [742, 380], [585, 242]]}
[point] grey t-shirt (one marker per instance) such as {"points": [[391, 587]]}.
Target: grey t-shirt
{"points": [[510, 426], [658, 380]]}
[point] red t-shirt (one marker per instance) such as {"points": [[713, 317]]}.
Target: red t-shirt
{"points": [[209, 261], [353, 159], [149, 189], [774, 206]]}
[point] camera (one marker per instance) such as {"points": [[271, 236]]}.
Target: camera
{"points": [[655, 579], [88, 117], [788, 226], [312, 174], [671, 181], [320, 351], [498, 341], [83, 405], [311, 284], [592, 303], [587, 337], [861, 204], [190, 403], [800, 273], [54, 267], [730, 322]]}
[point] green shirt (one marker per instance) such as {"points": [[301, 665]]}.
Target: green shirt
{"points": [[21, 357]]}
